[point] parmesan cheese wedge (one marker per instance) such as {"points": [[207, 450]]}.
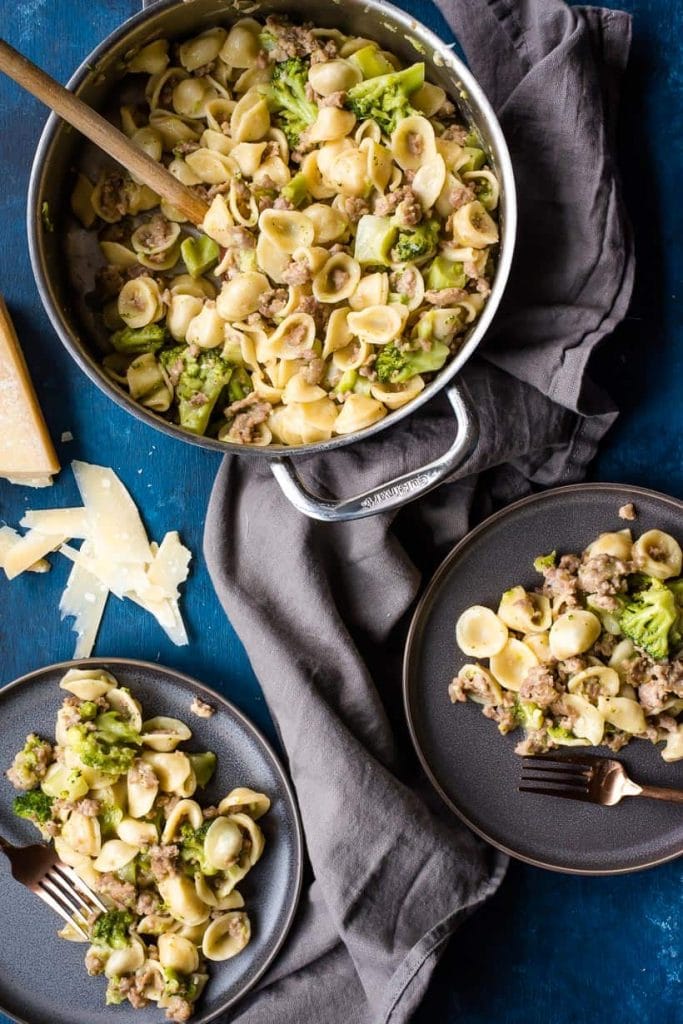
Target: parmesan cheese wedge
{"points": [[27, 455]]}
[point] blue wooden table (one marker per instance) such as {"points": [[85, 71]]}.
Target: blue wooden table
{"points": [[548, 947]]}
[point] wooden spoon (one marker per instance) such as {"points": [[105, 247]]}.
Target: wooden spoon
{"points": [[109, 139]]}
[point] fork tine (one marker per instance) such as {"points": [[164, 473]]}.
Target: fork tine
{"points": [[585, 760], [574, 794], [62, 893], [569, 770], [563, 780], [57, 907], [80, 885]]}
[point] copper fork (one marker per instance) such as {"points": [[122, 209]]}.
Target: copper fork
{"points": [[40, 870], [587, 777]]}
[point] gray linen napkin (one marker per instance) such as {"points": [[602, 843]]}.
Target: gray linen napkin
{"points": [[322, 609]]}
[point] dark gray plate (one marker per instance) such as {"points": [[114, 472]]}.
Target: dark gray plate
{"points": [[471, 765], [42, 977]]}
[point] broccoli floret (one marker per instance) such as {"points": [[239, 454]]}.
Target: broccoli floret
{"points": [[31, 763], [417, 245], [114, 996], [203, 765], [199, 381], [192, 849], [111, 746], [545, 561], [445, 273], [88, 710], [395, 366], [240, 385], [384, 98], [112, 929], [648, 617], [199, 254], [296, 190], [35, 805], [136, 340], [287, 98], [527, 714], [178, 984]]}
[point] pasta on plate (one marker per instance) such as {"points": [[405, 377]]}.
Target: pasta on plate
{"points": [[116, 795], [592, 657], [349, 245]]}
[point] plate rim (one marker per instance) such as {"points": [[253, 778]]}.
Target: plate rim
{"points": [[432, 586], [250, 727]]}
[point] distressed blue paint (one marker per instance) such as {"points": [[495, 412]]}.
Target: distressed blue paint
{"points": [[570, 950]]}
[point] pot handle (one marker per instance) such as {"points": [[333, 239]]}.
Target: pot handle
{"points": [[396, 492]]}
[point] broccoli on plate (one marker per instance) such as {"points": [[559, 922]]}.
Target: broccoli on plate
{"points": [[647, 618], [395, 365]]}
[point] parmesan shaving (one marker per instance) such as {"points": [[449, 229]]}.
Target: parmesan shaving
{"points": [[71, 522], [8, 538], [84, 599], [170, 566], [114, 523], [28, 550], [115, 557]]}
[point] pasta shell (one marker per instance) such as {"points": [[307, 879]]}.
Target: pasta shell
{"points": [[332, 76], [125, 960], [218, 223], [206, 329], [137, 833], [247, 156], [511, 665], [348, 173], [82, 834], [242, 295], [257, 840], [299, 390], [525, 612], [331, 123], [219, 142], [486, 187], [202, 49], [223, 843], [480, 633], [226, 936], [114, 855], [658, 554], [218, 112], [379, 164], [184, 811], [472, 225], [355, 355], [376, 325], [618, 545], [250, 119], [182, 309], [428, 99], [177, 953], [179, 895], [357, 413], [118, 255], [293, 337], [191, 95], [248, 801], [413, 143], [287, 229], [329, 225], [337, 280], [171, 770], [587, 722], [429, 180], [396, 395], [87, 684], [337, 333], [211, 167], [372, 290], [140, 302], [573, 633], [122, 700], [606, 680], [151, 59], [242, 45]]}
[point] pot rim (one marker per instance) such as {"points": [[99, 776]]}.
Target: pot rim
{"points": [[71, 339]]}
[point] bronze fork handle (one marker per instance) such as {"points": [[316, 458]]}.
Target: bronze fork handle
{"points": [[675, 796]]}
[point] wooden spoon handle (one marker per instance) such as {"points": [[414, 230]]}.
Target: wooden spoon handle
{"points": [[101, 132]]}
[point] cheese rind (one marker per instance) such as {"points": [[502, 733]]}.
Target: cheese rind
{"points": [[27, 454]]}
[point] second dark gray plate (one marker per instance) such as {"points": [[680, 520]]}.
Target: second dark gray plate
{"points": [[42, 977], [472, 766]]}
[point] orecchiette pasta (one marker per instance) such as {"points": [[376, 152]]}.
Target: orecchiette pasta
{"points": [[114, 797], [325, 201], [593, 656]]}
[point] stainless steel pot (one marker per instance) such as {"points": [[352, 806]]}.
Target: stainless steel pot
{"points": [[60, 150]]}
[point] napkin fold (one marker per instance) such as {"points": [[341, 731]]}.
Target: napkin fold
{"points": [[321, 609]]}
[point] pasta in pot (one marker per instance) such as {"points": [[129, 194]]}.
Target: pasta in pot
{"points": [[342, 188], [594, 656], [113, 794]]}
